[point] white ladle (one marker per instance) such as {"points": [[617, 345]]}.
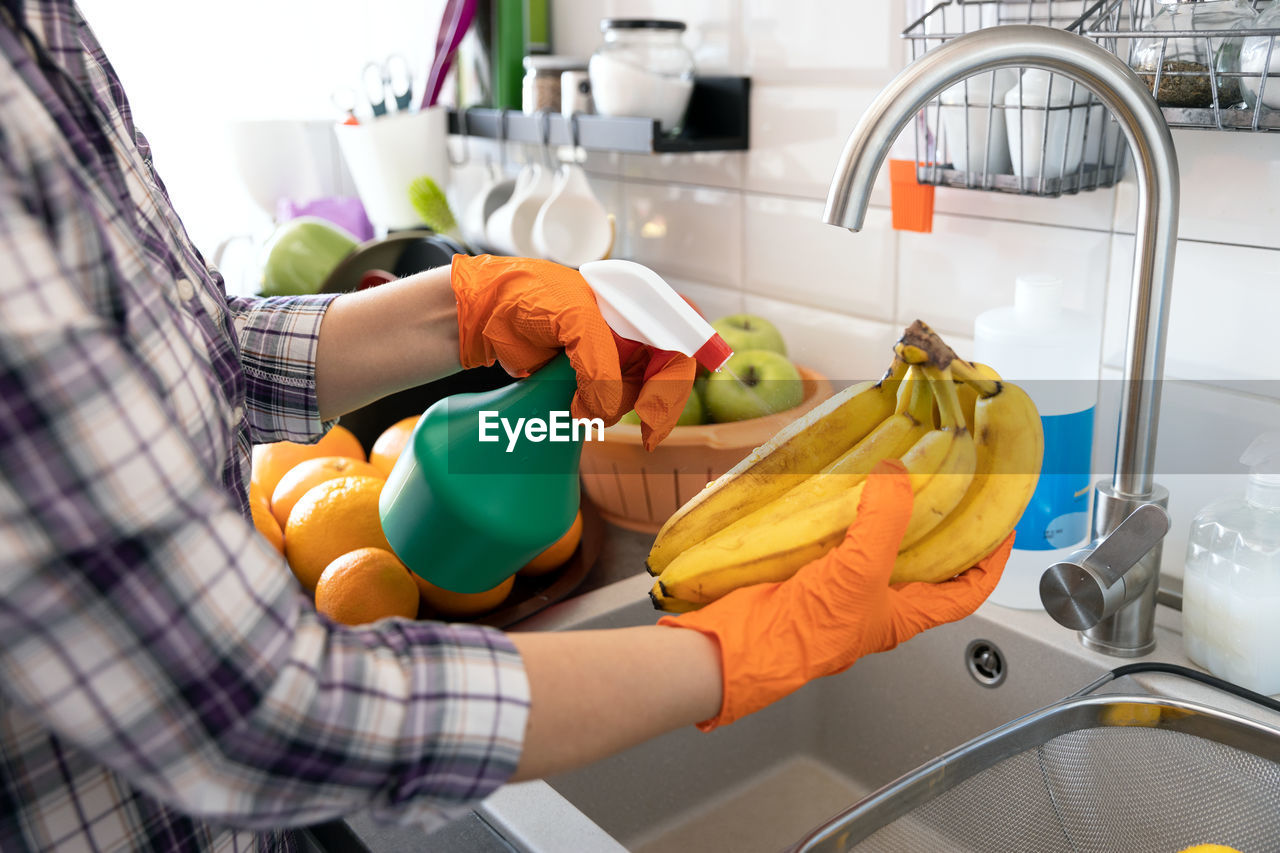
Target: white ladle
{"points": [[509, 228], [572, 227]]}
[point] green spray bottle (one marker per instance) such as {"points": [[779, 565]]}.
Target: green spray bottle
{"points": [[490, 480]]}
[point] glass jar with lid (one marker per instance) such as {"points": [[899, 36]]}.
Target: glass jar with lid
{"points": [[1183, 60], [541, 84], [642, 68]]}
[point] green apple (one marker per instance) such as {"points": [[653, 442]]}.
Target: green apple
{"points": [[754, 383], [694, 412], [747, 331], [691, 414]]}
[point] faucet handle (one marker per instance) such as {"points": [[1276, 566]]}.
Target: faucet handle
{"points": [[1092, 583]]}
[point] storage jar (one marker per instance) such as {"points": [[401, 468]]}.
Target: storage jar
{"points": [[542, 81], [642, 68]]}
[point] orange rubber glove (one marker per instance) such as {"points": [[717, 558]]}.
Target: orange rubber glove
{"points": [[776, 637], [520, 312]]}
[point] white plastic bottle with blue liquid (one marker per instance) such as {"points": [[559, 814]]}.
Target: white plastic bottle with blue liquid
{"points": [[1231, 580], [1054, 354]]}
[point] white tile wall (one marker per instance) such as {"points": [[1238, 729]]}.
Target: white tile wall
{"points": [[1229, 189], [707, 168], [822, 41], [741, 232], [1220, 292], [714, 302], [844, 348], [797, 134], [686, 232], [968, 265], [790, 250]]}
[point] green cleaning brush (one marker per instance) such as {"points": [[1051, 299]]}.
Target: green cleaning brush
{"points": [[429, 202]]}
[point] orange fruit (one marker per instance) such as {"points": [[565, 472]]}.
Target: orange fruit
{"points": [[331, 519], [386, 450], [273, 461], [312, 472], [558, 553], [460, 605], [265, 521], [340, 441], [366, 585]]}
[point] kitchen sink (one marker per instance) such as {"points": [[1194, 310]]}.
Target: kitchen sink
{"points": [[769, 779]]}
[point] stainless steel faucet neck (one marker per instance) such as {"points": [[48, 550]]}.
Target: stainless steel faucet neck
{"points": [[1127, 98]]}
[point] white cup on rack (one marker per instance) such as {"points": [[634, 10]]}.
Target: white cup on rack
{"points": [[385, 155], [1045, 119], [509, 229], [968, 110]]}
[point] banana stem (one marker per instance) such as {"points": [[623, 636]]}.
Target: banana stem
{"points": [[910, 354], [921, 345], [950, 413], [921, 406], [907, 390]]}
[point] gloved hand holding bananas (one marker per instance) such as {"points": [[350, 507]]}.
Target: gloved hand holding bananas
{"points": [[792, 500], [775, 637]]}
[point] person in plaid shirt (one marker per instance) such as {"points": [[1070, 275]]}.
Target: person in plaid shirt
{"points": [[164, 682]]}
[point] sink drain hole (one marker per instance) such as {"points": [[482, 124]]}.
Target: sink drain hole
{"points": [[985, 663]]}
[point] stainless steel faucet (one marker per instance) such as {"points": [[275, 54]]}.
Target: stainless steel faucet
{"points": [[1122, 600]]}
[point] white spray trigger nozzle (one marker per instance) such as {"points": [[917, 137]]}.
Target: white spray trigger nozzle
{"points": [[640, 306]]}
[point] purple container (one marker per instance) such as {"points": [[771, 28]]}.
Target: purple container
{"points": [[344, 212]]}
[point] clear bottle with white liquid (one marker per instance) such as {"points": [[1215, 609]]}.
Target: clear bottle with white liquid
{"points": [[1231, 581]]}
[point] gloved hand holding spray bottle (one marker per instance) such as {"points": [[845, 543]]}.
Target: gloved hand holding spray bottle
{"points": [[490, 480]]}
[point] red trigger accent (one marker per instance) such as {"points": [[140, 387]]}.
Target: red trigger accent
{"points": [[630, 352]]}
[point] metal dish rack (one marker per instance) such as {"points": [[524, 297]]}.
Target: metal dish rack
{"points": [[1152, 758], [975, 141], [1120, 25]]}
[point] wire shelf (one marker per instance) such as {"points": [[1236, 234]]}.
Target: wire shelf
{"points": [[1042, 134], [1009, 130], [1236, 89]]}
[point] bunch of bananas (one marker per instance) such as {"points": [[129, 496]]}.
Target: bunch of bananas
{"points": [[971, 443]]}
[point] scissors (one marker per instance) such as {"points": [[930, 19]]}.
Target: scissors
{"points": [[393, 76]]}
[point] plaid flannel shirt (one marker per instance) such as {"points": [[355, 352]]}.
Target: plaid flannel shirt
{"points": [[163, 682]]}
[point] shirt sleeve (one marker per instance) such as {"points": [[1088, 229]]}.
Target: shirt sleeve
{"points": [[145, 621], [277, 336]]}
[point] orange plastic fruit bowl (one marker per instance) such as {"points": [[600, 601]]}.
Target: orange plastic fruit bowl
{"points": [[639, 490]]}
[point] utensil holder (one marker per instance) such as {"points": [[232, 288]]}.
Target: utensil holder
{"points": [[386, 154]]}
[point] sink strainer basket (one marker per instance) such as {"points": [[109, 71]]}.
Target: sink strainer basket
{"points": [[1151, 758]]}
